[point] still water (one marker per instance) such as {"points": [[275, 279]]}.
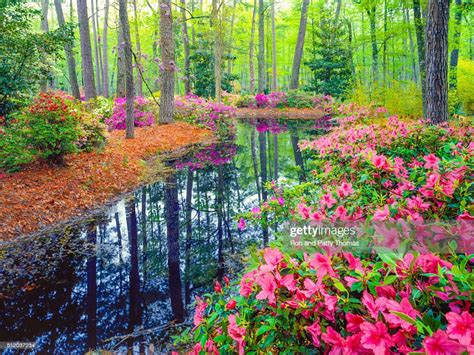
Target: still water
{"points": [[141, 263]]}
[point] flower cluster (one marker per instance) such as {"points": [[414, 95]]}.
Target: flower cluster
{"points": [[213, 155], [342, 305], [143, 114]]}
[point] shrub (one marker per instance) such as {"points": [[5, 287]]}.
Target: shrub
{"points": [[14, 151], [142, 113], [93, 133], [298, 99], [51, 127], [466, 85], [299, 303], [246, 101]]}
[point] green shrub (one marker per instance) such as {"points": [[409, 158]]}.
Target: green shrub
{"points": [[245, 101], [298, 99], [466, 85], [14, 151], [93, 133]]}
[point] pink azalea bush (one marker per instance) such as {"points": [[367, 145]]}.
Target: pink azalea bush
{"points": [[143, 113], [216, 117], [340, 304]]}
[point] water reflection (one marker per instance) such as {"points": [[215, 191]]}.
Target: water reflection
{"points": [[140, 265]]}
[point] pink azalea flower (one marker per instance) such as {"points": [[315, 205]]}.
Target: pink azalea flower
{"points": [[281, 200], [289, 282], [246, 284], [375, 337], [199, 313], [303, 210], [353, 322], [268, 285], [380, 161], [345, 190], [403, 307], [315, 331], [340, 213], [460, 327], [354, 263], [373, 306], [381, 214], [310, 288], [272, 256], [327, 200], [237, 333], [440, 344], [241, 224], [432, 161], [322, 264], [337, 342]]}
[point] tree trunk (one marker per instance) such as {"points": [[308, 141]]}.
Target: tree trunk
{"points": [[168, 65], [420, 39], [298, 156], [127, 53], [274, 52], [172, 225], [275, 156], [261, 47], [437, 61], [189, 237], [120, 63], [105, 49], [412, 47], [453, 63], [68, 48], [371, 12], [384, 58], [253, 149], [92, 291], [96, 48], [187, 67], [262, 139], [139, 86], [295, 72], [45, 29], [217, 30], [86, 51], [220, 230], [251, 49]]}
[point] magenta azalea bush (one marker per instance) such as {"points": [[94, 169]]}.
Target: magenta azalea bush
{"points": [[217, 117], [143, 113], [371, 170], [340, 304]]}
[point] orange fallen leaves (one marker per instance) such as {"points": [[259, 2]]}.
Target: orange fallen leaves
{"points": [[42, 195]]}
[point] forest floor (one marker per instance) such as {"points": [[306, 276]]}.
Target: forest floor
{"points": [[41, 195], [276, 113]]}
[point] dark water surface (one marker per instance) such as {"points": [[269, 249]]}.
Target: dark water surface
{"points": [[147, 257]]}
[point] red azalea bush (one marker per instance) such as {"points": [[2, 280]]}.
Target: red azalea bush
{"points": [[340, 304]]}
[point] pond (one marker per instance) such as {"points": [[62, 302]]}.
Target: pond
{"points": [[143, 261]]}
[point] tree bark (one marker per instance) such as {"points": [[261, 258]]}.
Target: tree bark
{"points": [[168, 64], [412, 47], [45, 29], [274, 52], [172, 225], [371, 12], [127, 54], [420, 39], [139, 86], [295, 72], [96, 48], [105, 55], [68, 48], [120, 63], [86, 51], [261, 47], [217, 30], [437, 61], [252, 49], [187, 67], [453, 63]]}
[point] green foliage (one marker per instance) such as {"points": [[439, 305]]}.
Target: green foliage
{"points": [[399, 97], [466, 85], [299, 99], [14, 151], [202, 72], [26, 56], [330, 61]]}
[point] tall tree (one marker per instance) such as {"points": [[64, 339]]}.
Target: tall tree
{"points": [[420, 40], [86, 51], [274, 54], [261, 47], [68, 47], [453, 63], [295, 72], [105, 50], [139, 86], [127, 55], [120, 90], [216, 25], [252, 49], [371, 9], [168, 64], [437, 61], [96, 47], [184, 29], [44, 28]]}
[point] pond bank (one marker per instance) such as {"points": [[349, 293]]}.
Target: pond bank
{"points": [[41, 196], [275, 113]]}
